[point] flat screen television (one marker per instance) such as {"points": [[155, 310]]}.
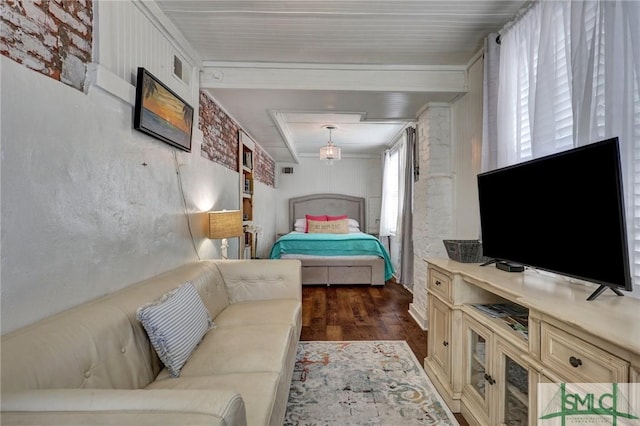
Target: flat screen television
{"points": [[562, 213]]}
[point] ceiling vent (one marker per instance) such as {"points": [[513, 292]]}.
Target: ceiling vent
{"points": [[287, 170]]}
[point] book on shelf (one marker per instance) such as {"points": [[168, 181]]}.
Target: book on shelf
{"points": [[515, 316], [499, 310], [247, 159]]}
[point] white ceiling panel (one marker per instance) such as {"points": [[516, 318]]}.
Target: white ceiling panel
{"points": [[333, 39]]}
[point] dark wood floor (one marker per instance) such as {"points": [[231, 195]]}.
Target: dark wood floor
{"points": [[362, 313]]}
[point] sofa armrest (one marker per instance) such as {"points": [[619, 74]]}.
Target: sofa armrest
{"points": [[262, 279], [123, 407]]}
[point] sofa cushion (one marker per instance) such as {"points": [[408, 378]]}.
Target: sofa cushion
{"points": [[109, 407], [279, 311], [259, 392], [95, 345], [264, 280], [242, 349], [175, 324]]}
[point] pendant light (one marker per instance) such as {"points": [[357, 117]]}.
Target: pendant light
{"points": [[330, 152]]}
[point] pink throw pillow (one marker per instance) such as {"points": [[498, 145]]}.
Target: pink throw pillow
{"points": [[344, 216]]}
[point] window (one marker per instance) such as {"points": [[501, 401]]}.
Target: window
{"points": [[569, 76], [390, 194]]}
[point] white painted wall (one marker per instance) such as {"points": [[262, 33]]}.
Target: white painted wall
{"points": [[81, 215], [264, 215], [90, 205], [360, 177]]}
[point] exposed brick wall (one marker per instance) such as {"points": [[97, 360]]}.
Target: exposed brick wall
{"points": [[53, 37], [220, 134], [220, 141], [265, 168]]}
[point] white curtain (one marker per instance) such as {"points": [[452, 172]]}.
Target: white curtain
{"points": [[490, 101], [395, 214], [569, 75]]}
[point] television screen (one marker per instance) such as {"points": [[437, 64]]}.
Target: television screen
{"points": [[562, 213]]}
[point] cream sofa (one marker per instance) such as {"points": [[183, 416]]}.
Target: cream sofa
{"points": [[94, 364]]}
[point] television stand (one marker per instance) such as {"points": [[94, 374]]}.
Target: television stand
{"points": [[489, 367], [602, 288]]}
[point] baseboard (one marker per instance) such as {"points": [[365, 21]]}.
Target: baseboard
{"points": [[418, 317]]}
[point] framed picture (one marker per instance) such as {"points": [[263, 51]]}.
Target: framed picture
{"points": [[161, 113]]}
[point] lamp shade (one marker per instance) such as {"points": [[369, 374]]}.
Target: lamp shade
{"points": [[225, 224], [330, 152]]}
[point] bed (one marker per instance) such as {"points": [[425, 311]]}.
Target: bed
{"points": [[330, 259]]}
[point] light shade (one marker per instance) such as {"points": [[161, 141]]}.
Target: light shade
{"points": [[225, 224], [330, 151]]}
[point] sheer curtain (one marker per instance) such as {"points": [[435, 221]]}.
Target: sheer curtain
{"points": [[569, 75], [396, 216], [389, 199]]}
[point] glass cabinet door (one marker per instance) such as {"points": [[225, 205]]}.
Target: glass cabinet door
{"points": [[513, 380], [477, 379], [478, 346]]}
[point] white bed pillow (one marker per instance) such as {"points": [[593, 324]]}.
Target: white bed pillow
{"points": [[175, 324], [300, 225]]}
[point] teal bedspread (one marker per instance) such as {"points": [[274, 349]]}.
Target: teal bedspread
{"points": [[352, 244]]}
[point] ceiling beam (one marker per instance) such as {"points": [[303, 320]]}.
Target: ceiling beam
{"points": [[234, 75]]}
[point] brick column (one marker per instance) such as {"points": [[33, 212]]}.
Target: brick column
{"points": [[433, 200]]}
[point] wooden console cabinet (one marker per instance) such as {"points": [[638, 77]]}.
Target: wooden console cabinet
{"points": [[489, 372]]}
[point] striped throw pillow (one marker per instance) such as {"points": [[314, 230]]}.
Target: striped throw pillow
{"points": [[175, 325]]}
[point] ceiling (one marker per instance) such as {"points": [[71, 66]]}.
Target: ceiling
{"points": [[285, 69]]}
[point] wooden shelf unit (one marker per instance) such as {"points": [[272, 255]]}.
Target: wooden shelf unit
{"points": [[246, 163]]}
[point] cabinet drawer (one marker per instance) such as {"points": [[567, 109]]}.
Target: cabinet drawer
{"points": [[580, 361], [315, 275], [440, 283], [350, 275]]}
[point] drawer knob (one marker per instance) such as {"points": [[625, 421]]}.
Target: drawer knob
{"points": [[575, 362], [489, 379], [445, 343], [438, 282]]}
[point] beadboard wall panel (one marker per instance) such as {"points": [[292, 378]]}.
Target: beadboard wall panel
{"points": [[129, 38], [360, 177], [466, 130]]}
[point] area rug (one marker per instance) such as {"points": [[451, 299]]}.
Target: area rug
{"points": [[362, 383]]}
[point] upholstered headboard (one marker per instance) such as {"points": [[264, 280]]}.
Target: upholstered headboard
{"points": [[331, 204]]}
